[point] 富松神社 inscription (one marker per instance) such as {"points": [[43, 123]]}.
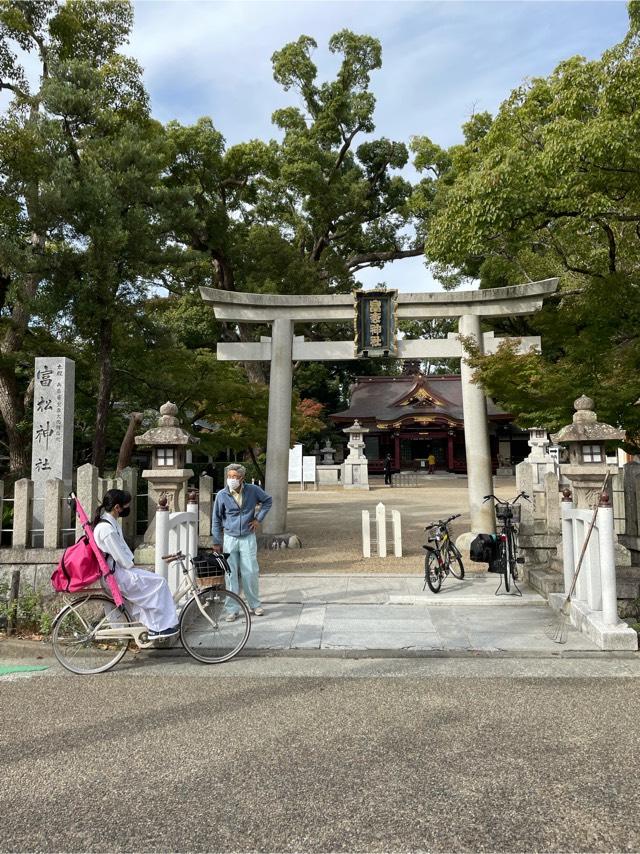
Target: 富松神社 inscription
{"points": [[52, 437]]}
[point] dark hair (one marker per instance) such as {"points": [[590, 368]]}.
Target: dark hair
{"points": [[111, 498]]}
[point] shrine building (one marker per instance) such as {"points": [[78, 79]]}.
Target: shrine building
{"points": [[413, 415]]}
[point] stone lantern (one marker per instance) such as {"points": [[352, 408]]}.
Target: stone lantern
{"points": [[167, 475], [585, 439], [355, 469]]}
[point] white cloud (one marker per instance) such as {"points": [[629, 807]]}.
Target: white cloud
{"points": [[441, 62]]}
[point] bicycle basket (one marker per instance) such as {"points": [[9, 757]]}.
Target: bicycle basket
{"points": [[508, 511], [210, 568]]}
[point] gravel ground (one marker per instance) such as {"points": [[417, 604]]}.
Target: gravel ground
{"points": [[329, 524]]}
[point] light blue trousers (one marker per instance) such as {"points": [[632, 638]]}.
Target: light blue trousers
{"points": [[243, 561]]}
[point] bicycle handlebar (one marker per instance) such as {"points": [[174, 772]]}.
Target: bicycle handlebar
{"points": [[442, 521], [173, 557], [513, 500]]}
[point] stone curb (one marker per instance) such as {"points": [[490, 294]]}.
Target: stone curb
{"points": [[41, 651]]}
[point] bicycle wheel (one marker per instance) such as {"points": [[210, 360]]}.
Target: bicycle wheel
{"points": [[513, 548], [454, 560], [210, 637], [505, 564], [432, 573], [73, 636]]}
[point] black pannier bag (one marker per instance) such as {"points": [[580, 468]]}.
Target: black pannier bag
{"points": [[484, 549]]}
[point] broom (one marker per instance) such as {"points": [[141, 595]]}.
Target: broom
{"points": [[558, 628]]}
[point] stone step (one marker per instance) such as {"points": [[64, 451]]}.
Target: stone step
{"points": [[544, 581]]}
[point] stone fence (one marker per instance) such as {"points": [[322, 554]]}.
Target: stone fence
{"points": [[540, 530], [36, 550]]}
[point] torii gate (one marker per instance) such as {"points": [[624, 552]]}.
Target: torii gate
{"points": [[282, 312]]}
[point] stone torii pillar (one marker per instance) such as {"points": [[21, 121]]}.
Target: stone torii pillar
{"points": [[282, 312]]}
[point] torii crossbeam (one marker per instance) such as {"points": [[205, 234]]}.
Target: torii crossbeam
{"points": [[282, 312]]}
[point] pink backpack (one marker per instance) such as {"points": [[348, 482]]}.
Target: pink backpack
{"points": [[78, 568]]}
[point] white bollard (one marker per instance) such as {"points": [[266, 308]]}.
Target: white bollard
{"points": [[381, 529], [192, 541], [397, 533], [162, 539], [568, 554], [608, 566], [366, 534]]}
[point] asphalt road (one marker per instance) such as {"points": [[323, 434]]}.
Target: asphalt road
{"points": [[157, 759]]}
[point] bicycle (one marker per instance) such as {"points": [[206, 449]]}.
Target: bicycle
{"points": [[507, 515], [443, 557], [91, 634]]}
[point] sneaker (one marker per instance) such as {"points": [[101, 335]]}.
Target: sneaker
{"points": [[165, 633], [258, 612], [230, 618]]}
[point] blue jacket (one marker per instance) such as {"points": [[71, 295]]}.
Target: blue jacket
{"points": [[234, 520]]}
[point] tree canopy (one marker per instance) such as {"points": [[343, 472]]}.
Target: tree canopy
{"points": [[551, 187]]}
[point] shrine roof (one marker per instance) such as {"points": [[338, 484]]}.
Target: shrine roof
{"points": [[394, 399]]}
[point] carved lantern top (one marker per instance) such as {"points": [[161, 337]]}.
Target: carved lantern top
{"points": [[356, 428], [168, 432], [585, 427]]}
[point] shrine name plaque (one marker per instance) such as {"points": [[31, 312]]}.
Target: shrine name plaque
{"points": [[375, 323]]}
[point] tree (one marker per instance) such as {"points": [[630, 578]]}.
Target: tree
{"points": [[551, 187], [74, 231]]}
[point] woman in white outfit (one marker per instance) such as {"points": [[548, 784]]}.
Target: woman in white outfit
{"points": [[147, 594]]}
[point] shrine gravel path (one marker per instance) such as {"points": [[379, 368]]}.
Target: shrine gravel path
{"points": [[395, 759], [329, 523]]}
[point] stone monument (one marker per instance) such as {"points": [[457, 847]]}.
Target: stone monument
{"points": [[355, 469], [328, 453], [52, 438]]}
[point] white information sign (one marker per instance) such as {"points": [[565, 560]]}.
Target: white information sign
{"points": [[308, 469], [295, 464]]}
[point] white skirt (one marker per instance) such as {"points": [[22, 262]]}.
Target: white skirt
{"points": [[149, 598]]}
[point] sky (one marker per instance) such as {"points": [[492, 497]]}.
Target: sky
{"points": [[441, 62]]}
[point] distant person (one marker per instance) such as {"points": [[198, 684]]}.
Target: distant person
{"points": [[431, 462], [387, 470], [237, 512]]}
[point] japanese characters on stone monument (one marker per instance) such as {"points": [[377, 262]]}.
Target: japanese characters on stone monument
{"points": [[52, 440]]}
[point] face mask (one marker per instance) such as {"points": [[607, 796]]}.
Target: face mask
{"points": [[233, 483], [125, 512]]}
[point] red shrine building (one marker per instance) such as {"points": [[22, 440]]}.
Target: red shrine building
{"points": [[413, 416]]}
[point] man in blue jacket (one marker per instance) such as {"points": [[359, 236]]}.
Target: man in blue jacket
{"points": [[237, 512]]}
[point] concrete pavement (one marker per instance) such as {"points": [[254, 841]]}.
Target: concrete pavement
{"points": [[391, 612]]}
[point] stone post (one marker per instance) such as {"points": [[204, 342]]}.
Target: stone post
{"points": [[366, 533], [129, 479], [22, 501], [87, 492], [54, 493], [205, 501], [476, 438], [192, 507], [607, 562], [397, 533], [52, 437], [162, 536], [279, 426], [381, 529]]}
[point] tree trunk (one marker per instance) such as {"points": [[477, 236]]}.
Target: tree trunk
{"points": [[254, 460], [104, 396], [12, 412], [128, 443]]}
